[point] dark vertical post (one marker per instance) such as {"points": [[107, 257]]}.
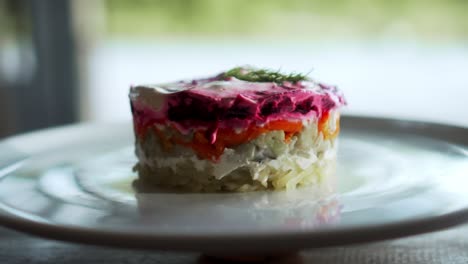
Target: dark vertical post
{"points": [[52, 98]]}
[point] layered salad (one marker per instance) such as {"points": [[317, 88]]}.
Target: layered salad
{"points": [[245, 129]]}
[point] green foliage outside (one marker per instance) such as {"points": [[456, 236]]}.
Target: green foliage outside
{"points": [[422, 19]]}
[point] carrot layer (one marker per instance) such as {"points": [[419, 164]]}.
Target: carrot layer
{"points": [[324, 126], [228, 138]]}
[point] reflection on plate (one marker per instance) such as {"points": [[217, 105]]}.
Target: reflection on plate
{"points": [[395, 178]]}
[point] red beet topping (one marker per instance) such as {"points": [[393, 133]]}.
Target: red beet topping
{"points": [[210, 104]]}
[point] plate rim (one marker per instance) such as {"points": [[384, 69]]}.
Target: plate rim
{"points": [[283, 240]]}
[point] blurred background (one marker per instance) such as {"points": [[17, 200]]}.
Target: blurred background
{"points": [[74, 60]]}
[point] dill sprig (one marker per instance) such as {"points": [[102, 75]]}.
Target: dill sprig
{"points": [[263, 75]]}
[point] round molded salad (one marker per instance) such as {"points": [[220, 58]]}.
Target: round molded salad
{"points": [[245, 129]]}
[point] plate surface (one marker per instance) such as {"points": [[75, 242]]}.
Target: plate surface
{"points": [[395, 178]]}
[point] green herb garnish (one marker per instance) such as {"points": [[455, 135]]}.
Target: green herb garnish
{"points": [[263, 75]]}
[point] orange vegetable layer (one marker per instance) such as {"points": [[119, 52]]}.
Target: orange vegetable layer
{"points": [[324, 126], [228, 138]]}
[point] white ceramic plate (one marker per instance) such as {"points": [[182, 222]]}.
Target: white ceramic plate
{"points": [[395, 178]]}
